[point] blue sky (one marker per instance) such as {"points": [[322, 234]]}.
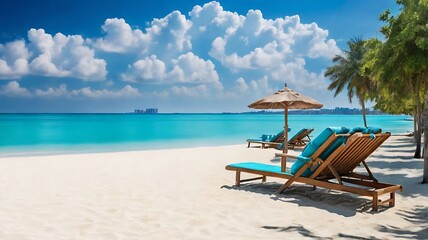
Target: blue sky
{"points": [[178, 56]]}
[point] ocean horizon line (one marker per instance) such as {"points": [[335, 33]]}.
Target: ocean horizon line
{"points": [[186, 113]]}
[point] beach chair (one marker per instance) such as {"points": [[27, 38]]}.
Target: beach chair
{"points": [[331, 166], [300, 139], [268, 140]]}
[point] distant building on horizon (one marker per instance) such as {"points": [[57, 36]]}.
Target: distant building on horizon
{"points": [[147, 111]]}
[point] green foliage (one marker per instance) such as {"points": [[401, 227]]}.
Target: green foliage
{"points": [[347, 72], [407, 33], [398, 64], [393, 73]]}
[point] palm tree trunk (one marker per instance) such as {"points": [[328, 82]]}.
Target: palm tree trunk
{"points": [[363, 105], [418, 118], [418, 135], [414, 125], [425, 122]]}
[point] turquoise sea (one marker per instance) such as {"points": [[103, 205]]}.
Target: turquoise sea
{"points": [[40, 134]]}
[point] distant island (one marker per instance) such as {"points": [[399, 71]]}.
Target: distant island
{"points": [[334, 111], [337, 110]]}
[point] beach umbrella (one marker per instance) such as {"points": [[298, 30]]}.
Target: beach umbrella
{"points": [[285, 99]]}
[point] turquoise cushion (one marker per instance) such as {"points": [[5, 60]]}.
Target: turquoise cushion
{"points": [[374, 130], [339, 141], [266, 137], [315, 144], [366, 130], [273, 138], [321, 138], [259, 167], [282, 144], [299, 164], [299, 132]]}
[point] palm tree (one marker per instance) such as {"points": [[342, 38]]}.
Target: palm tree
{"points": [[346, 72]]}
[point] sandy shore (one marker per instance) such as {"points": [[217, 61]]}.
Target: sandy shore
{"points": [[187, 194]]}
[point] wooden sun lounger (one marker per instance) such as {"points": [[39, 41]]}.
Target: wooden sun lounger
{"points": [[265, 144], [338, 166], [300, 139]]}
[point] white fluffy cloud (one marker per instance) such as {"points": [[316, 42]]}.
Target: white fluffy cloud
{"points": [[208, 51], [198, 91], [164, 35], [242, 44], [120, 37], [261, 86], [12, 89], [253, 88], [13, 59], [53, 92], [47, 55], [64, 56], [266, 44], [241, 85], [187, 68], [125, 92], [295, 72], [147, 69], [190, 68], [169, 33]]}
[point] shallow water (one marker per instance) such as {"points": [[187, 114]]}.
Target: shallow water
{"points": [[35, 134]]}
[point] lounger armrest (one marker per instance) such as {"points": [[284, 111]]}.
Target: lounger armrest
{"points": [[264, 142], [343, 135], [285, 155]]}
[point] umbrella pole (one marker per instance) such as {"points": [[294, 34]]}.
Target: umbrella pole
{"points": [[285, 150], [285, 141]]}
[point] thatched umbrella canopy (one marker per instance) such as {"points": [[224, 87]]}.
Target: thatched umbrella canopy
{"points": [[286, 99]]}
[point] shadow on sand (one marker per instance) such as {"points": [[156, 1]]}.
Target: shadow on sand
{"points": [[307, 233], [398, 160], [418, 216]]}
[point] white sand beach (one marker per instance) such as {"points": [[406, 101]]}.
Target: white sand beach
{"points": [[187, 194]]}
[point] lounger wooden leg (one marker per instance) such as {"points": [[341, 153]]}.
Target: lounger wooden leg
{"points": [[238, 178], [264, 179], [263, 145], [314, 187], [375, 202], [248, 145], [283, 164], [286, 185], [291, 180], [392, 196]]}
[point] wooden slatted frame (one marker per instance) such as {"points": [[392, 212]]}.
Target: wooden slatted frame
{"points": [[276, 142], [357, 149], [314, 156], [299, 140], [296, 141]]}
